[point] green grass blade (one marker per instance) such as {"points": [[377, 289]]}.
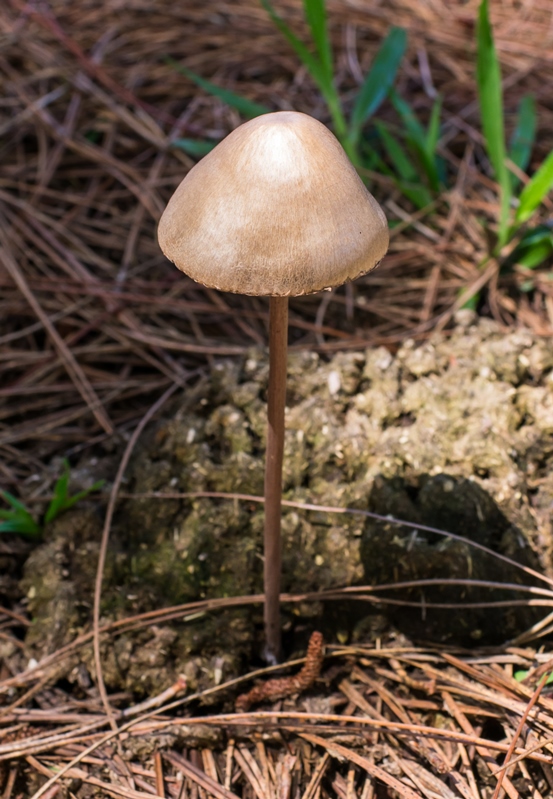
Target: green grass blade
{"points": [[315, 14], [61, 489], [54, 509], [535, 246], [488, 76], [70, 501], [60, 495], [379, 80], [21, 527], [417, 138], [245, 107], [10, 526], [13, 501], [194, 147], [490, 92], [19, 519], [417, 194], [319, 71], [62, 501], [409, 119], [433, 130], [405, 174], [315, 67], [369, 157], [522, 675], [523, 136], [536, 190], [400, 160]]}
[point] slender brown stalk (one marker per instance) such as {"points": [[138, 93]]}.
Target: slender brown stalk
{"points": [[278, 343]]}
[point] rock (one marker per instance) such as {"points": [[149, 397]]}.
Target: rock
{"points": [[456, 433]]}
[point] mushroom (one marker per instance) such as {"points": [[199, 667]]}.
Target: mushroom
{"points": [[277, 210]]}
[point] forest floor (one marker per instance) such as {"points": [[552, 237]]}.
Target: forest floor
{"points": [[400, 400]]}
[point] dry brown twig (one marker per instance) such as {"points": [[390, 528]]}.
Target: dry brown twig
{"points": [[282, 687]]}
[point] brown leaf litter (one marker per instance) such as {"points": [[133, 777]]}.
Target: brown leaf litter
{"points": [[93, 321]]}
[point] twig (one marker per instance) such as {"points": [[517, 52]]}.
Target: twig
{"points": [[104, 544]]}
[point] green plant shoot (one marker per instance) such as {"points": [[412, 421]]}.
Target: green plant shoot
{"points": [[488, 76], [523, 136], [320, 66], [535, 244], [18, 519]]}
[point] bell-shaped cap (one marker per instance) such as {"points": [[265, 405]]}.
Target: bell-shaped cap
{"points": [[275, 209]]}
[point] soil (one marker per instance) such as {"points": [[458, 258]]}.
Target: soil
{"points": [[456, 434]]}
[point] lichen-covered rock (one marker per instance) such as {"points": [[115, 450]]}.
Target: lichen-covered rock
{"points": [[59, 581], [471, 410], [456, 434]]}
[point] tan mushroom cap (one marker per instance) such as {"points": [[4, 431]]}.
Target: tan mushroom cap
{"points": [[275, 209]]}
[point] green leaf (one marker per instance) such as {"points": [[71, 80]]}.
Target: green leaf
{"points": [[61, 500], [397, 155], [9, 527], [406, 176], [523, 674], [536, 190], [60, 495], [414, 128], [70, 501], [53, 511], [488, 76], [62, 483], [245, 107], [370, 157], [318, 69], [13, 501], [490, 92], [472, 303], [418, 138], [194, 147], [535, 246], [19, 520], [433, 131], [523, 136], [417, 194], [379, 80], [21, 527], [315, 14]]}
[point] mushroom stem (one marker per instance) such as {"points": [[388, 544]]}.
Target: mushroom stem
{"points": [[278, 344]]}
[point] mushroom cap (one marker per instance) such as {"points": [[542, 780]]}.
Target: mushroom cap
{"points": [[275, 209]]}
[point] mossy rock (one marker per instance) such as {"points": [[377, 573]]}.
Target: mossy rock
{"points": [[454, 434]]}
